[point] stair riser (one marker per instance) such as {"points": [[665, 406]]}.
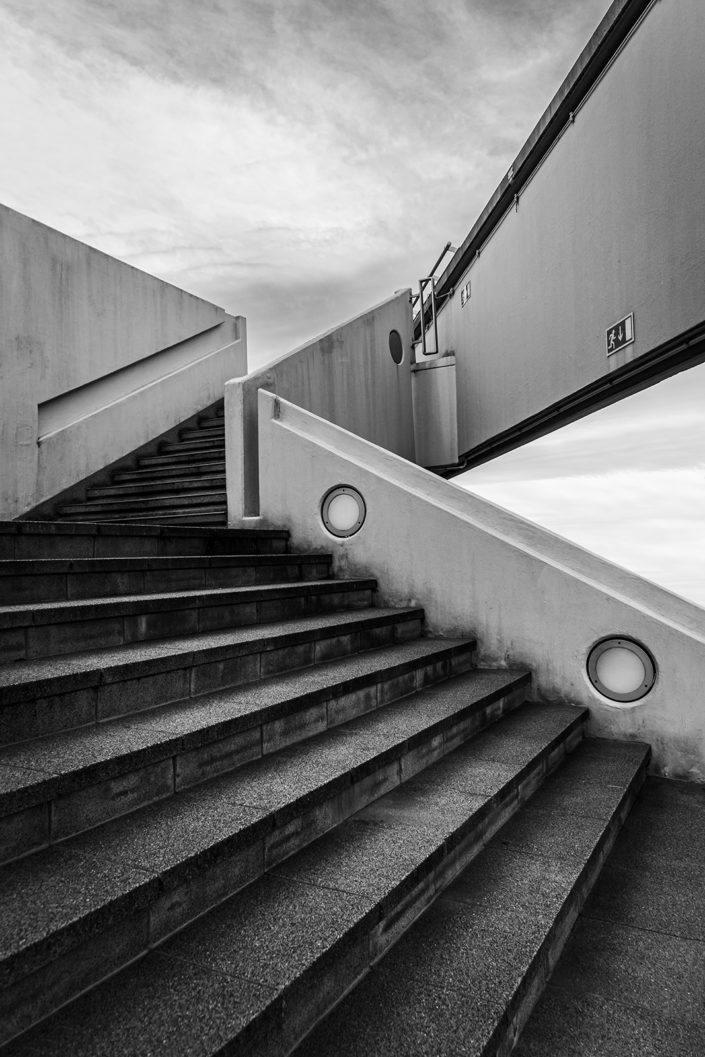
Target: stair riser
{"points": [[60, 587], [205, 497], [160, 488], [314, 995], [200, 444], [33, 641], [132, 543], [520, 1009], [181, 899], [217, 429], [177, 460], [167, 473], [216, 516], [55, 705], [99, 793]]}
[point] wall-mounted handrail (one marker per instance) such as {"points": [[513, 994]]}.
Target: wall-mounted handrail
{"points": [[420, 318]]}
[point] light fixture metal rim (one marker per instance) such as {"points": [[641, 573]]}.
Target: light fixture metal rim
{"points": [[330, 495], [621, 642]]}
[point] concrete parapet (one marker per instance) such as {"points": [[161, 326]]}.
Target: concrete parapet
{"points": [[533, 598], [347, 375], [96, 359]]}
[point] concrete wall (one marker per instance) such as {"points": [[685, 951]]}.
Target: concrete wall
{"points": [[612, 221], [96, 358], [531, 597], [347, 375]]}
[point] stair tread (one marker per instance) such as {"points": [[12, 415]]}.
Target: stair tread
{"points": [[108, 505], [285, 925], [464, 963], [31, 678], [44, 566], [172, 834], [81, 608], [168, 485], [60, 763]]}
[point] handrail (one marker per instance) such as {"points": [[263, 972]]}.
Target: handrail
{"points": [[420, 319]]}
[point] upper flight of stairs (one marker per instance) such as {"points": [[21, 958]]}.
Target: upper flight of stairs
{"points": [[180, 481], [230, 783]]}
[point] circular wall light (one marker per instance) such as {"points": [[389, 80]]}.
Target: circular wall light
{"points": [[621, 669], [396, 346], [343, 510]]}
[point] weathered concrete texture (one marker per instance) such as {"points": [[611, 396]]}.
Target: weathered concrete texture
{"points": [[632, 978], [583, 247], [85, 340], [346, 375], [533, 598], [301, 935], [461, 976]]}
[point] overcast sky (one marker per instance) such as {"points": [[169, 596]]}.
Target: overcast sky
{"points": [[296, 161]]}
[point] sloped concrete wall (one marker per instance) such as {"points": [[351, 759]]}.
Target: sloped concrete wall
{"points": [[611, 222], [96, 358], [531, 597], [347, 375]]}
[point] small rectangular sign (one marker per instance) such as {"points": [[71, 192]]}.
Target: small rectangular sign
{"points": [[620, 334], [465, 294]]}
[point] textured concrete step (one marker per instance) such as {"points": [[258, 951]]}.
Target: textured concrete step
{"points": [[154, 871], [468, 973], [52, 694], [59, 539], [161, 487], [59, 579], [49, 629], [169, 472], [179, 458], [256, 972], [147, 504], [206, 516], [205, 431], [205, 443], [80, 778]]}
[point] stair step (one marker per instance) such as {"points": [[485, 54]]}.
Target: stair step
{"points": [[468, 973], [158, 488], [179, 459], [52, 694], [59, 539], [203, 432], [216, 443], [62, 579], [255, 973], [81, 778], [48, 629], [98, 507], [168, 472], [205, 516]]}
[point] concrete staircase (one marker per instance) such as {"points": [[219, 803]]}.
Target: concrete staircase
{"points": [[230, 783], [179, 479]]}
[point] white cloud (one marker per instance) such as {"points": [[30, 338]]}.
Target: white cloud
{"points": [[627, 482], [255, 152]]}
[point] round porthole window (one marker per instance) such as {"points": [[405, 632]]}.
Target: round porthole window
{"points": [[343, 510], [621, 669], [396, 347]]}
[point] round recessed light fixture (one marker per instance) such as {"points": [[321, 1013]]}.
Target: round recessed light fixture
{"points": [[343, 510], [621, 669], [396, 347]]}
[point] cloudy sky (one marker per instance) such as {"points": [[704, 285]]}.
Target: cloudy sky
{"points": [[298, 160], [292, 160]]}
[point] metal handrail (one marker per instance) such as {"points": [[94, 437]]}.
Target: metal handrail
{"points": [[429, 279]]}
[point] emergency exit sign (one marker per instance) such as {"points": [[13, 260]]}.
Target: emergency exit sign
{"points": [[620, 334]]}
